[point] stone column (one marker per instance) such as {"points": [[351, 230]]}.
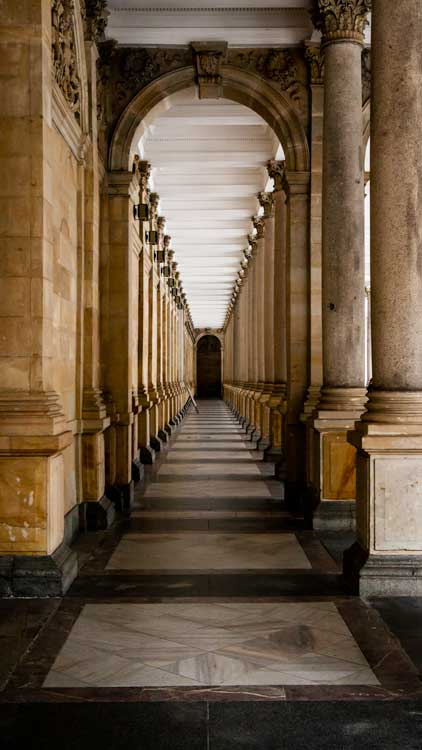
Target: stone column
{"points": [[146, 452], [266, 200], [121, 360], [296, 187], [258, 326], [343, 396], [277, 402], [387, 557]]}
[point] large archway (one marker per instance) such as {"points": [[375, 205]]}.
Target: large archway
{"points": [[244, 87], [208, 367]]}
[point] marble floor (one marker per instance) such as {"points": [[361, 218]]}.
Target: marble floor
{"points": [[115, 645], [210, 607]]}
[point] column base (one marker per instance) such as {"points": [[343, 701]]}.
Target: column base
{"points": [[169, 428], [382, 575], [97, 516], [335, 515], [137, 470], [114, 494], [128, 493], [273, 455], [38, 576], [263, 444], [146, 455], [162, 434], [155, 444], [71, 525]]}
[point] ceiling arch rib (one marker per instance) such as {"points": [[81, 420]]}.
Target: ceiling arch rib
{"points": [[208, 161]]}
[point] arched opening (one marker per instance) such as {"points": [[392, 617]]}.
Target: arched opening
{"points": [[208, 367]]}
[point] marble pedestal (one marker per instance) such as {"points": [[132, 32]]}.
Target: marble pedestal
{"points": [[387, 557], [331, 486]]}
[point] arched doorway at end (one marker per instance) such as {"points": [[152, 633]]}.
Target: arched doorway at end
{"points": [[208, 367]]}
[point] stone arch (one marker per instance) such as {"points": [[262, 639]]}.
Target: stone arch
{"points": [[243, 87], [209, 366]]}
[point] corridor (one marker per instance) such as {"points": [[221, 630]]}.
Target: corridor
{"points": [[208, 601]]}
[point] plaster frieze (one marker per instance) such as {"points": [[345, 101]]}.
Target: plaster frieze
{"points": [[266, 201], [64, 56], [276, 170], [341, 20]]}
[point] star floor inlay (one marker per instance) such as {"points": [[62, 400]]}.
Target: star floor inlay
{"points": [[210, 644]]}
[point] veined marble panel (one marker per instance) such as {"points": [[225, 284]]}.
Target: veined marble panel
{"points": [[210, 644], [210, 551]]}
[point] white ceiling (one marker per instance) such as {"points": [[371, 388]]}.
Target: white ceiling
{"points": [[249, 23], [208, 164]]}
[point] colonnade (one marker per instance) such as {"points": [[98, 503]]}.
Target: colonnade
{"points": [[364, 447], [147, 334]]}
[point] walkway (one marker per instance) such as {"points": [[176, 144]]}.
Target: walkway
{"points": [[215, 613]]}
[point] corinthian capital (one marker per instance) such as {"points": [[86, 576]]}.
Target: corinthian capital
{"points": [[276, 171], [259, 226], [266, 200], [341, 19]]}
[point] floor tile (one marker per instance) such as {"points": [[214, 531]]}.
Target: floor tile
{"points": [[212, 551], [115, 645]]}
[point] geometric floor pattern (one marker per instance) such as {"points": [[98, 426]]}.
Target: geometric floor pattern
{"points": [[210, 644]]}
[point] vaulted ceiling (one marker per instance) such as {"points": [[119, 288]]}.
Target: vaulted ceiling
{"points": [[209, 163]]}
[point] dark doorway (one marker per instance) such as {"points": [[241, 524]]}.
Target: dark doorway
{"points": [[208, 367]]}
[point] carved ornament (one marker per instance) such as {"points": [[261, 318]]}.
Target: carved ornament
{"points": [[314, 56], [63, 48], [266, 200], [276, 170], [341, 19], [208, 59], [95, 15]]}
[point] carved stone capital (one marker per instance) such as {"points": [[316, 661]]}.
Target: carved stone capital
{"points": [[314, 56], [143, 170], [166, 241], [259, 226], [252, 242], [208, 58], [341, 20], [95, 16], [154, 200], [266, 200], [276, 171]]}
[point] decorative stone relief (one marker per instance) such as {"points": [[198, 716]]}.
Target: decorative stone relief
{"points": [[65, 66], [208, 58], [283, 68], [135, 68], [276, 171], [341, 19], [266, 200], [366, 75], [315, 59]]}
